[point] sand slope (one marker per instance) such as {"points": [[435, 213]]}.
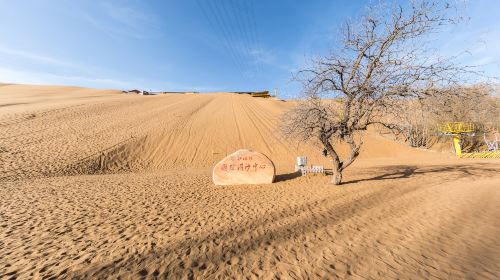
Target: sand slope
{"points": [[61, 130], [97, 184]]}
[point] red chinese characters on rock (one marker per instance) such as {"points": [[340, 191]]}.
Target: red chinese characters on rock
{"points": [[247, 167], [244, 167]]}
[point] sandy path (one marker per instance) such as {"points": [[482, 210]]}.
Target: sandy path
{"points": [[427, 222]]}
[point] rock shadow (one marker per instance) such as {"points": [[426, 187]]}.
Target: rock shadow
{"points": [[287, 176]]}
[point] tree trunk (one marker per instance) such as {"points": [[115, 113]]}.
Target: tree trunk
{"points": [[337, 175], [337, 165]]}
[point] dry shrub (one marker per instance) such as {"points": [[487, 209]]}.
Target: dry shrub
{"points": [[478, 104]]}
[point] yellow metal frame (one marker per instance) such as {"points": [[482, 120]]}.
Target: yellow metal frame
{"points": [[457, 129], [456, 145]]}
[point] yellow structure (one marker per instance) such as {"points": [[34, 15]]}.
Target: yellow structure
{"points": [[456, 145], [458, 129]]}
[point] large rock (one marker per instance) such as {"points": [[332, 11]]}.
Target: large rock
{"points": [[244, 167]]}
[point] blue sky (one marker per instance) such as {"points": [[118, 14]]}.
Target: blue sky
{"points": [[200, 45]]}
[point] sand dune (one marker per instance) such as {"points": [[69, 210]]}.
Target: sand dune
{"points": [[98, 184], [61, 130]]}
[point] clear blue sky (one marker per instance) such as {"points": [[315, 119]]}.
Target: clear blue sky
{"points": [[201, 45]]}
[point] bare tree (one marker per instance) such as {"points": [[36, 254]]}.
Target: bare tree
{"points": [[382, 62]]}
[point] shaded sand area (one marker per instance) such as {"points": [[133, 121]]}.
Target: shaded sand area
{"points": [[97, 184]]}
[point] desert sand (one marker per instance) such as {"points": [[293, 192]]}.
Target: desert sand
{"points": [[97, 184]]}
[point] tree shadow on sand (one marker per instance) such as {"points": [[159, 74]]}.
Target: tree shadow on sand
{"points": [[406, 171], [396, 172], [239, 239]]}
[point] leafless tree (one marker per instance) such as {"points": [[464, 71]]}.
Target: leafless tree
{"points": [[381, 62]]}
